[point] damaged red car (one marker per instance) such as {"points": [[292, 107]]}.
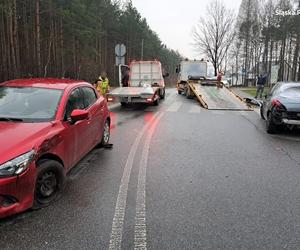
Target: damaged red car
{"points": [[46, 127]]}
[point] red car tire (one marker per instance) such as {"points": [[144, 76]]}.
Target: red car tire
{"points": [[50, 179]]}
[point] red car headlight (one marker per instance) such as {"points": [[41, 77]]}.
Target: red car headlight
{"points": [[17, 165]]}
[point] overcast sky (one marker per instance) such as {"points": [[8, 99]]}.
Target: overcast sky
{"points": [[173, 20]]}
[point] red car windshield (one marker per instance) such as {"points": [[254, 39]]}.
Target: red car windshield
{"points": [[28, 104]]}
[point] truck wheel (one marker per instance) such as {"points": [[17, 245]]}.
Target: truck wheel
{"points": [[188, 93], [162, 93], [185, 91], [49, 184], [179, 92]]}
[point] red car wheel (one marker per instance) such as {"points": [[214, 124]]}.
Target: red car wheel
{"points": [[49, 183]]}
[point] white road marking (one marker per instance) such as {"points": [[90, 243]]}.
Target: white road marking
{"points": [[195, 109], [118, 220], [140, 231], [174, 107]]}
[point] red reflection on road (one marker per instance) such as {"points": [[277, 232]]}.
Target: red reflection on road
{"points": [[149, 117], [113, 117]]}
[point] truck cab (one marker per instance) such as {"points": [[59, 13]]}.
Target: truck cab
{"points": [[189, 70], [146, 72], [145, 84]]}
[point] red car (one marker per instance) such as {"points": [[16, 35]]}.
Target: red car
{"points": [[46, 127]]}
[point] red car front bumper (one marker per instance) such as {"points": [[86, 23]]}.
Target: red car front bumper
{"points": [[17, 193]]}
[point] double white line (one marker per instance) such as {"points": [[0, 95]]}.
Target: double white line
{"points": [[140, 233]]}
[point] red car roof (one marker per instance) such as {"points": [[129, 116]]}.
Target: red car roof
{"points": [[50, 83]]}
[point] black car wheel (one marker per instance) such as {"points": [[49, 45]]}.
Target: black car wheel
{"points": [[179, 92], [270, 125], [49, 183], [123, 104]]}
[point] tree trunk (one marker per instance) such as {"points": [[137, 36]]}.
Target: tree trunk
{"points": [[26, 62], [295, 59], [61, 38], [49, 51], [282, 61], [266, 55], [38, 36], [12, 42], [270, 62], [298, 70], [15, 38], [3, 54]]}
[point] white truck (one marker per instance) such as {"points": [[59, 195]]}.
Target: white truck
{"points": [[145, 85], [189, 70]]}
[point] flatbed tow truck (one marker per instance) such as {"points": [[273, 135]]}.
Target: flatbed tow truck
{"points": [[146, 84], [213, 98], [193, 82]]}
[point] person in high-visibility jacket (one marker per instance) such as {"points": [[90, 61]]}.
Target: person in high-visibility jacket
{"points": [[102, 84]]}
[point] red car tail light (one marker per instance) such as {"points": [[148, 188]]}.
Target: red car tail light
{"points": [[278, 105], [149, 100]]}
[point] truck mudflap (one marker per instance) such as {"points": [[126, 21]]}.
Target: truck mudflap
{"points": [[213, 98]]}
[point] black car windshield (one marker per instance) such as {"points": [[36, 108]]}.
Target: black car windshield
{"points": [[28, 104]]}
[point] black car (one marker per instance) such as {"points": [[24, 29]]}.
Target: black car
{"points": [[282, 106]]}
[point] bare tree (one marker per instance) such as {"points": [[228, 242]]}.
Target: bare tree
{"points": [[268, 39], [214, 34]]}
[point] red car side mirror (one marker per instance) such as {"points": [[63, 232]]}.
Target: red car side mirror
{"points": [[79, 115]]}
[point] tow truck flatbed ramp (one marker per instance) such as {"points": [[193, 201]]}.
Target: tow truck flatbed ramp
{"points": [[213, 98]]}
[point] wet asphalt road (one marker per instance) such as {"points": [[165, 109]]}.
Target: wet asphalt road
{"points": [[178, 177]]}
